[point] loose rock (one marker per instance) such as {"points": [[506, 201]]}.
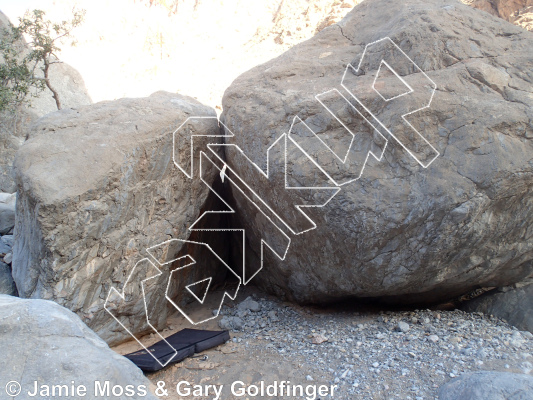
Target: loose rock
{"points": [[7, 212], [514, 304], [488, 386], [7, 285], [403, 327]]}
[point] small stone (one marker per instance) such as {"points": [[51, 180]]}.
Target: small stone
{"points": [[7, 240], [309, 378], [273, 316], [526, 367], [237, 323], [228, 323], [403, 327], [8, 258], [224, 323], [516, 339], [433, 338], [317, 338], [249, 305]]}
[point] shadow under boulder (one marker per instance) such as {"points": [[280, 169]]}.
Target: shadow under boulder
{"points": [[513, 304]]}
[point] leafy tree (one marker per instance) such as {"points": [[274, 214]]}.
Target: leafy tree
{"points": [[17, 73], [19, 65]]}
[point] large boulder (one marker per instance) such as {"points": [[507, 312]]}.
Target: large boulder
{"points": [[66, 80], [45, 343], [488, 385], [402, 232], [97, 186], [513, 304]]}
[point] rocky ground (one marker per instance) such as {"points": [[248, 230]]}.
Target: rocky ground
{"points": [[367, 353]]}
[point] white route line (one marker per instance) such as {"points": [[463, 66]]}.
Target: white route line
{"points": [[174, 150], [188, 287], [262, 204], [378, 157], [411, 90], [266, 174], [245, 280], [122, 296], [192, 262], [434, 89]]}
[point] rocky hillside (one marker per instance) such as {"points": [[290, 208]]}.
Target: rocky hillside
{"points": [[519, 12]]}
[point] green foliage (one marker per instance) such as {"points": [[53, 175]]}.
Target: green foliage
{"points": [[18, 64], [17, 75]]}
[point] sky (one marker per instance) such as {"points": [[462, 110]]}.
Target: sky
{"points": [[15, 8], [127, 49]]}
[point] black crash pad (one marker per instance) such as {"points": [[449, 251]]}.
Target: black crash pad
{"points": [[186, 342]]}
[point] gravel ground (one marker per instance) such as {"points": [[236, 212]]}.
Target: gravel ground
{"points": [[367, 354]]}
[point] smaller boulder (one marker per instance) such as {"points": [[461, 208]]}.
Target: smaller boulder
{"points": [[403, 327], [231, 323], [7, 285], [8, 258], [249, 305], [46, 343], [513, 304], [7, 212], [7, 241], [488, 385], [4, 248]]}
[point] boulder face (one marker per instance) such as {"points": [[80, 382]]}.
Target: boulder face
{"points": [[97, 186], [450, 215], [47, 343], [513, 304]]}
